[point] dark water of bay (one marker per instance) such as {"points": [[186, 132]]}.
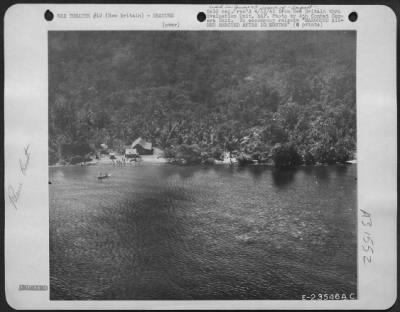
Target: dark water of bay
{"points": [[193, 232]]}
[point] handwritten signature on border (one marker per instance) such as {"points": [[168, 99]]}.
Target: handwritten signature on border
{"points": [[15, 194]]}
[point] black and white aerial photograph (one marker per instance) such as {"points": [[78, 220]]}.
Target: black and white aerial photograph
{"points": [[202, 165]]}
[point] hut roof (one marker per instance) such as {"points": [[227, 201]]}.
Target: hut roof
{"points": [[142, 143]]}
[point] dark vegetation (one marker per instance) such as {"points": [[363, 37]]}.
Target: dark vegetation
{"points": [[286, 96]]}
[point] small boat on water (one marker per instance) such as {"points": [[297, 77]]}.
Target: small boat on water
{"points": [[104, 176]]}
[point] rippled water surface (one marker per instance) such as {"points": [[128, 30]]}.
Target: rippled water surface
{"points": [[169, 232]]}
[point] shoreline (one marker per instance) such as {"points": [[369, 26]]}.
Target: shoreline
{"points": [[159, 157], [167, 161]]}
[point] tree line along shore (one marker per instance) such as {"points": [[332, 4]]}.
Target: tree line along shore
{"points": [[280, 155]]}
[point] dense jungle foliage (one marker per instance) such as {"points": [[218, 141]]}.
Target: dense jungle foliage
{"points": [[282, 96]]}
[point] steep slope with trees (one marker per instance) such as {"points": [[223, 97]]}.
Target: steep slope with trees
{"points": [[285, 96]]}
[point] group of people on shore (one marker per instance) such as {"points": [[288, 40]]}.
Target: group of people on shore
{"points": [[123, 161], [119, 162]]}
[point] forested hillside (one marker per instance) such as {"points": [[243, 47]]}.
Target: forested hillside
{"points": [[286, 96]]}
